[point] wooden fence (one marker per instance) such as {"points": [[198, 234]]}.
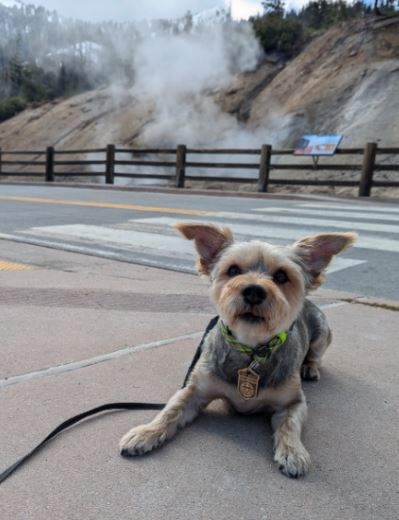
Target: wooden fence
{"points": [[109, 162]]}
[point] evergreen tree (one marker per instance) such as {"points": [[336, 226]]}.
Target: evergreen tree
{"points": [[274, 7], [188, 22]]}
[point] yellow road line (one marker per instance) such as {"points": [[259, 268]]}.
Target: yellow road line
{"points": [[12, 266], [132, 207]]}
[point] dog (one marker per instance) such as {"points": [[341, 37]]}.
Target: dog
{"points": [[268, 337]]}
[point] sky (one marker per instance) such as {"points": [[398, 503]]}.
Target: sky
{"points": [[122, 10]]}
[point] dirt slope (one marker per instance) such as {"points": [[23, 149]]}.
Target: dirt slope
{"points": [[346, 81], [89, 120]]}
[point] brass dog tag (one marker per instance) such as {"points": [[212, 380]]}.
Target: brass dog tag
{"points": [[248, 382]]}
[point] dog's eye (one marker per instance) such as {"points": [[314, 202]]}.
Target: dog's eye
{"points": [[280, 277], [233, 270]]}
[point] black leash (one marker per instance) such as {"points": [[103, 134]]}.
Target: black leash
{"points": [[110, 406], [73, 420]]}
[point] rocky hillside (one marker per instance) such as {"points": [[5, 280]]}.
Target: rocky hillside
{"points": [[345, 81]]}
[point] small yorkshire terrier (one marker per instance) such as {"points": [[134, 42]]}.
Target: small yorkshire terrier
{"points": [[268, 336]]}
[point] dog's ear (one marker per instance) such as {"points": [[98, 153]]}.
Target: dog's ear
{"points": [[316, 252], [209, 242]]}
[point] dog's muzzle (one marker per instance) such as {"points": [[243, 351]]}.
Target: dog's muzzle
{"points": [[254, 294]]}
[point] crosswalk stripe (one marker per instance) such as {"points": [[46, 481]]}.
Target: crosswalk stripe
{"points": [[158, 242], [331, 213], [311, 222], [283, 233], [354, 207]]}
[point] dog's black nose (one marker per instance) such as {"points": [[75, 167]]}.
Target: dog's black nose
{"points": [[254, 294]]}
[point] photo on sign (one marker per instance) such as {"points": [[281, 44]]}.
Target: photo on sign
{"points": [[317, 144]]}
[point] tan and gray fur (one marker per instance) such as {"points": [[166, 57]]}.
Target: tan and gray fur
{"points": [[259, 290]]}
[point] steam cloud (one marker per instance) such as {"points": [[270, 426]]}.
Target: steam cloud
{"points": [[180, 72]]}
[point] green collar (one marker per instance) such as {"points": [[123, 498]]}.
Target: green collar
{"points": [[259, 354]]}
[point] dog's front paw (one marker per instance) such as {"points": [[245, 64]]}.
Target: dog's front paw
{"points": [[310, 372], [293, 461], [142, 439]]}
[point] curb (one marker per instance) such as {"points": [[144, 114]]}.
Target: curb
{"points": [[356, 299]]}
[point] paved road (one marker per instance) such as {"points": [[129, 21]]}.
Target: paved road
{"points": [[137, 227]]}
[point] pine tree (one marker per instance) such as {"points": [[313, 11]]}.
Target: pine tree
{"points": [[274, 7]]}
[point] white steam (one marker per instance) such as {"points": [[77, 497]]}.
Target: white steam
{"points": [[180, 73]]}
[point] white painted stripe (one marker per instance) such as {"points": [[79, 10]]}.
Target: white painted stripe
{"points": [[121, 255], [311, 222], [326, 213], [352, 207], [285, 233], [76, 365], [338, 264], [155, 242]]}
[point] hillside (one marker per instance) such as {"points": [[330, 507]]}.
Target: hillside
{"points": [[345, 81]]}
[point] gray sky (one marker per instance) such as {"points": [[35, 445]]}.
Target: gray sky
{"points": [[121, 10]]}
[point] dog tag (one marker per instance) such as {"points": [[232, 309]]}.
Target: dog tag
{"points": [[248, 382]]}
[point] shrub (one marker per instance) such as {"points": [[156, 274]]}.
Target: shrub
{"points": [[277, 34], [10, 107]]}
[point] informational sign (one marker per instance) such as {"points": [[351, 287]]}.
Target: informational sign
{"points": [[317, 144]]}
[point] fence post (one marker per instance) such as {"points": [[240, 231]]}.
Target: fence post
{"points": [[180, 165], [110, 164], [366, 179], [264, 167], [49, 164]]}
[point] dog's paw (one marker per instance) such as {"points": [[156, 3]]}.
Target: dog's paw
{"points": [[141, 439], [293, 461], [310, 372]]}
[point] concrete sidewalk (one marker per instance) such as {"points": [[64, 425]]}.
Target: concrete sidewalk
{"points": [[77, 332]]}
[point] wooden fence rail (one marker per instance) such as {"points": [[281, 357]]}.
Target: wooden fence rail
{"points": [[107, 162]]}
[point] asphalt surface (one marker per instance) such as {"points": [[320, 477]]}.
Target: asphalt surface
{"points": [[137, 226], [80, 330]]}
